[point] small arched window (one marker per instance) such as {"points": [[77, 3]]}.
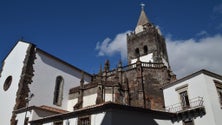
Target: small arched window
{"points": [[58, 92], [137, 52], [7, 83], [145, 49]]}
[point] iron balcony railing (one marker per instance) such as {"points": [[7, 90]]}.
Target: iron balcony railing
{"points": [[193, 103]]}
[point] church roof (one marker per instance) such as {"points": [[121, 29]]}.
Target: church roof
{"points": [[18, 42], [64, 62], [203, 71], [43, 108], [143, 19], [104, 107], [52, 109], [49, 55]]}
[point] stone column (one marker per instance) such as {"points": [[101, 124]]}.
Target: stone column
{"points": [[79, 104], [141, 95], [100, 88]]}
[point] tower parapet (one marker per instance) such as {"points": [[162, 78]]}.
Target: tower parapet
{"points": [[146, 43]]}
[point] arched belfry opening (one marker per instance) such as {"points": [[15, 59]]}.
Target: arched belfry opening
{"points": [[145, 49], [137, 52]]}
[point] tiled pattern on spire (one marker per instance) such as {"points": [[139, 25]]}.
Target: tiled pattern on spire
{"points": [[143, 18]]}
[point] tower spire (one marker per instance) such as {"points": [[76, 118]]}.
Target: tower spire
{"points": [[143, 18]]}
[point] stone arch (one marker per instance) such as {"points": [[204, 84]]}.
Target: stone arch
{"points": [[145, 49], [137, 52]]}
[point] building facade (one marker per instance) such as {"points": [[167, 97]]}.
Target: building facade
{"points": [[108, 113], [27, 72], [195, 99]]}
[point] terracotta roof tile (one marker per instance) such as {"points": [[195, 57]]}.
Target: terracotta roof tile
{"points": [[52, 109]]}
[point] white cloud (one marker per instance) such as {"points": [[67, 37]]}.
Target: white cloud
{"points": [[110, 47], [218, 8], [202, 33], [188, 56], [219, 26], [185, 56]]}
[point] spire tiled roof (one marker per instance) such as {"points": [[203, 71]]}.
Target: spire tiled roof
{"points": [[143, 18]]}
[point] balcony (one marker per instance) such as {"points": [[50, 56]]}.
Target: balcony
{"points": [[185, 112], [178, 107]]}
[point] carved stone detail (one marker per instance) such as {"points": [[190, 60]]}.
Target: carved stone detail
{"points": [[26, 78]]}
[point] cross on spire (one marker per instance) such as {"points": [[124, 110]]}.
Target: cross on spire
{"points": [[143, 18], [142, 5]]}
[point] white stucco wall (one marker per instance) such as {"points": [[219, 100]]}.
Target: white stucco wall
{"points": [[89, 100], [214, 99], [49, 124], [114, 117], [21, 117], [12, 66], [198, 86], [108, 97], [46, 69], [171, 96], [139, 29], [73, 121], [96, 119], [146, 58], [71, 104], [163, 122]]}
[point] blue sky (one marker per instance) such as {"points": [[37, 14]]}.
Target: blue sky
{"points": [[80, 31]]}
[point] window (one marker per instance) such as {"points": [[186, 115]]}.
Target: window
{"points": [[58, 92], [84, 121], [145, 49], [219, 90], [7, 83], [137, 52], [184, 100]]}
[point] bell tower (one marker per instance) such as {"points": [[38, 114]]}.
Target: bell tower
{"points": [[147, 56], [146, 42]]}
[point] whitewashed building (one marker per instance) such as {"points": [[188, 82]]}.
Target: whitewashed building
{"points": [[108, 113], [195, 99], [28, 71]]}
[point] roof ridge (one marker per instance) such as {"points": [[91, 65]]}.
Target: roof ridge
{"points": [[53, 109]]}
